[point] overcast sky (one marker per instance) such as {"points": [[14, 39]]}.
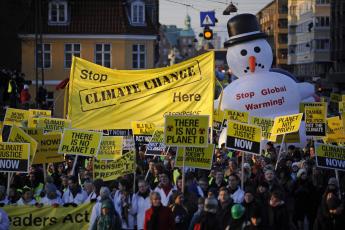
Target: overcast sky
{"points": [[174, 14]]}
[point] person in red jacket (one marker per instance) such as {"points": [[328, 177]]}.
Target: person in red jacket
{"points": [[25, 95], [158, 216]]}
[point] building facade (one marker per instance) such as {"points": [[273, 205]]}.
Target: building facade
{"points": [[176, 44], [117, 34], [273, 21], [309, 38]]}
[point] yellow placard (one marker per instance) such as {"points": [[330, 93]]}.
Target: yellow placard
{"points": [[335, 130], [80, 142], [39, 112], [33, 132], [111, 170], [330, 156], [14, 157], [16, 117], [335, 97], [289, 138], [103, 98], [286, 124], [143, 128], [341, 106], [111, 148], [47, 150], [302, 105], [48, 218], [186, 131], [1, 126], [315, 120], [53, 124], [19, 136], [244, 137], [218, 118], [266, 125], [195, 157], [235, 115], [156, 145]]}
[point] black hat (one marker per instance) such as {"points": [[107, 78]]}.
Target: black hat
{"points": [[243, 28]]}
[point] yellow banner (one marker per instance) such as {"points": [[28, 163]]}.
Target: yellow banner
{"points": [[102, 98], [335, 97], [16, 117], [80, 142], [244, 137], [335, 130], [111, 170], [111, 148], [195, 157], [14, 157], [143, 128], [235, 115], [287, 124], [19, 136], [266, 125], [48, 218], [186, 131], [53, 124]]}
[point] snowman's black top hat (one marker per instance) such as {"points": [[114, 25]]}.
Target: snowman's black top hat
{"points": [[243, 28]]}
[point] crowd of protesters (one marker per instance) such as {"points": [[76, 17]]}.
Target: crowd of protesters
{"points": [[289, 194]]}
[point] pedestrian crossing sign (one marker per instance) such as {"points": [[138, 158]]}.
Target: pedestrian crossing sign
{"points": [[207, 18]]}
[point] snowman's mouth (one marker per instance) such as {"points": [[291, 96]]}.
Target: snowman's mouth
{"points": [[257, 65]]}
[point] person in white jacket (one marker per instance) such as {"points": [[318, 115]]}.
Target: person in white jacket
{"points": [[123, 204], [236, 193], [51, 197], [141, 202], [4, 221], [27, 197], [74, 194], [164, 188]]}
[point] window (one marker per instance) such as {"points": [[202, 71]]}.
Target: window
{"points": [[322, 21], [283, 23], [138, 56], [322, 44], [282, 38], [103, 55], [322, 1], [138, 12], [43, 58], [57, 12], [71, 50]]}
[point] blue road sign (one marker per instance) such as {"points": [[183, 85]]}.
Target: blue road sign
{"points": [[207, 18]]}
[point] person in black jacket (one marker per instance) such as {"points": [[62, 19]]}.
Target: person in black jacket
{"points": [[224, 209], [278, 216], [252, 214], [208, 217]]}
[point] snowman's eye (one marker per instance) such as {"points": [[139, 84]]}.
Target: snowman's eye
{"points": [[243, 52], [257, 49]]}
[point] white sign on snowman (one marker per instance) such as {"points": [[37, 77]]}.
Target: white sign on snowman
{"points": [[258, 90]]}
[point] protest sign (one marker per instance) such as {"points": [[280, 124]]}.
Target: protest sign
{"points": [[19, 136], [315, 121], [111, 170], [48, 218], [128, 144], [266, 125], [16, 117], [142, 133], [335, 130], [156, 145], [218, 118], [244, 137], [235, 115], [289, 138], [341, 106], [195, 157], [330, 156], [14, 157], [47, 150], [335, 97], [302, 106], [117, 132], [80, 142], [53, 124], [34, 114], [286, 124], [111, 148], [115, 98], [186, 131]]}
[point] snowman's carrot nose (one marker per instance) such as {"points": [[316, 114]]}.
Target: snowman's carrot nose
{"points": [[252, 61]]}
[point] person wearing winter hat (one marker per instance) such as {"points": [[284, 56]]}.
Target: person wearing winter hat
{"points": [[108, 218], [51, 196], [208, 217], [295, 168]]}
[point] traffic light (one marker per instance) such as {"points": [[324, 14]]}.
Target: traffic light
{"points": [[208, 33]]}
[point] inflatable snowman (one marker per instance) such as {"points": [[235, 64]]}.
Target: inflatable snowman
{"points": [[258, 90]]}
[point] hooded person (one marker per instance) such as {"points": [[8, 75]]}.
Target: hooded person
{"points": [[51, 196], [107, 220], [104, 195]]}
